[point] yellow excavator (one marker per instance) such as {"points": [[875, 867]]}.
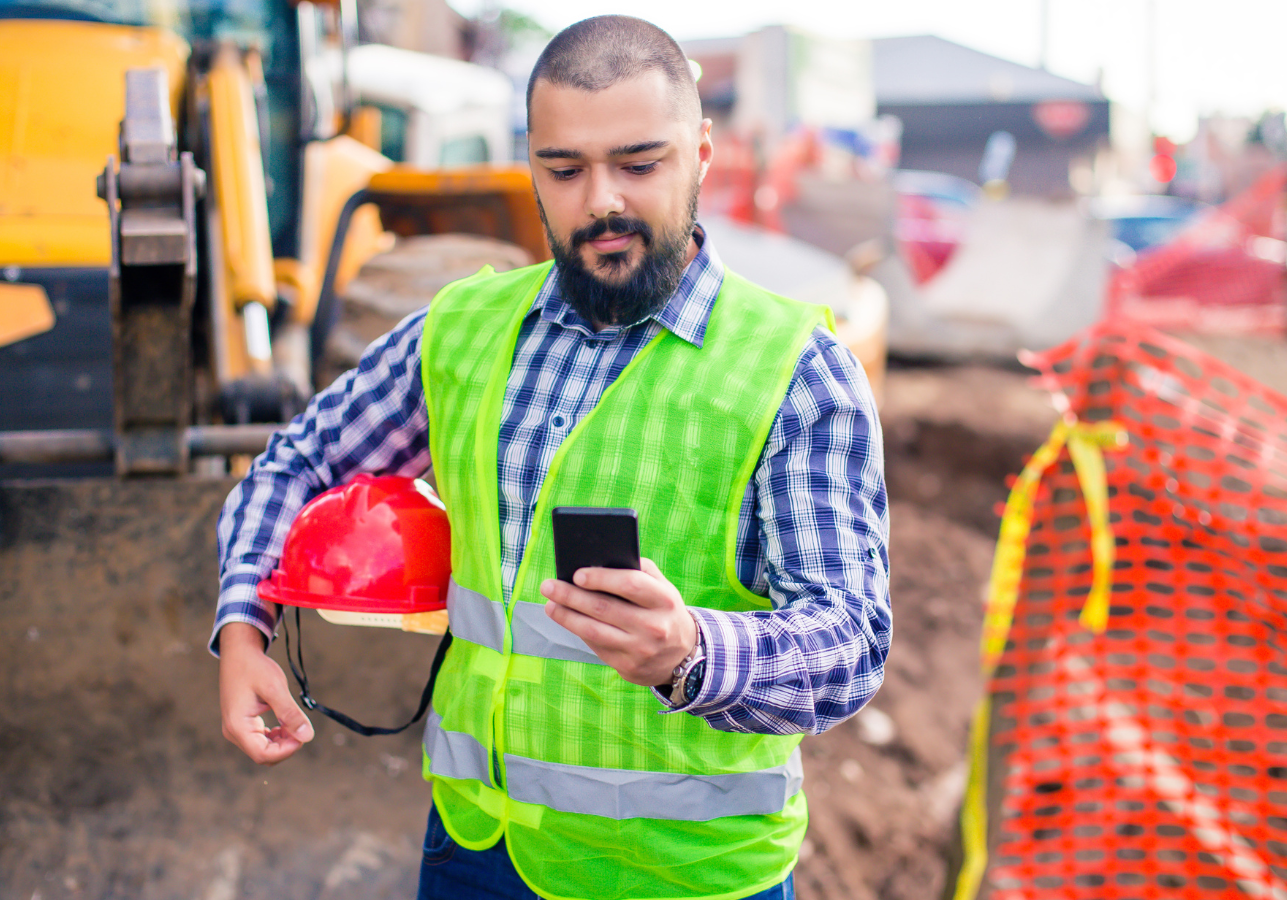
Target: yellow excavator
{"points": [[192, 193], [186, 189]]}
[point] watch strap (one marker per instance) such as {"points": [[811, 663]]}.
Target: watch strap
{"points": [[687, 677]]}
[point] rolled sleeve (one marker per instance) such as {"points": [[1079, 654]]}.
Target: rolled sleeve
{"points": [[239, 602], [728, 641], [813, 538], [372, 419]]}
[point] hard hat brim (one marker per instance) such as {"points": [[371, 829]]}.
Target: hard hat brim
{"points": [[423, 598]]}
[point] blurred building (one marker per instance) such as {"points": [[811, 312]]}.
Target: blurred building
{"points": [[766, 83], [949, 98], [717, 86], [952, 98], [426, 26], [1228, 155]]}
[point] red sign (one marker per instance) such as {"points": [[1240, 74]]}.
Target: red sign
{"points": [[1061, 119], [1162, 168]]}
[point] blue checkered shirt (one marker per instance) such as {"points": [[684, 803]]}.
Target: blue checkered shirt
{"points": [[812, 534]]}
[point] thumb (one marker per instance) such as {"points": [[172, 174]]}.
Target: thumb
{"points": [[650, 568], [287, 711]]}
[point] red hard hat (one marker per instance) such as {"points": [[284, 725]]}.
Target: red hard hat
{"points": [[373, 545]]}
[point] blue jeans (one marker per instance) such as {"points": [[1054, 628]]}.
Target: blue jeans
{"points": [[450, 872]]}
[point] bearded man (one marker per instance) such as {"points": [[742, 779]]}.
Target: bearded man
{"points": [[650, 749]]}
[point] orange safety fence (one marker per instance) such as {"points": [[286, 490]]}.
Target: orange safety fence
{"points": [[1222, 274], [730, 183], [750, 187], [1133, 741]]}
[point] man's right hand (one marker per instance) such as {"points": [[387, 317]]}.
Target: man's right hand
{"points": [[250, 684]]}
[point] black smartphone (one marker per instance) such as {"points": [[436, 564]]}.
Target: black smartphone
{"points": [[594, 536]]}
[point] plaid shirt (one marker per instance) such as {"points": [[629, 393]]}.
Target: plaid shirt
{"points": [[812, 533]]}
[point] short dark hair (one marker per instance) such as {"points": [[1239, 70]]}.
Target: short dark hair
{"points": [[594, 54]]}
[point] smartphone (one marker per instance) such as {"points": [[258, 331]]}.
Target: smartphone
{"points": [[594, 536]]}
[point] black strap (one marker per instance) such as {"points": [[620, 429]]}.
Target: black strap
{"points": [[301, 678]]}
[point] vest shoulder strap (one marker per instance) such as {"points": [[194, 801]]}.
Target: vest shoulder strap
{"points": [[488, 289]]}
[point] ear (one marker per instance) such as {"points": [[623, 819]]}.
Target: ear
{"points": [[705, 149]]}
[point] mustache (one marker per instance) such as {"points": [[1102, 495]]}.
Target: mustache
{"points": [[617, 225]]}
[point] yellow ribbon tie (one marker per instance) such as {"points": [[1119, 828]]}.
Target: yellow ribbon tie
{"points": [[1086, 442]]}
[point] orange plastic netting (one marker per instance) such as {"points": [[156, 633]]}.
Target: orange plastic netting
{"points": [[1222, 274], [1134, 739]]}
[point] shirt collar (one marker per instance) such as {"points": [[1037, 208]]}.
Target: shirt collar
{"points": [[685, 314]]}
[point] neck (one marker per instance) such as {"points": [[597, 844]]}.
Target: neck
{"points": [[692, 251]]}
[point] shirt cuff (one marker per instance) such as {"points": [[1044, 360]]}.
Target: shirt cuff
{"points": [[729, 641], [241, 603]]}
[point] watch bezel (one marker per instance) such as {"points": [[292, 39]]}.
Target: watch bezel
{"points": [[693, 680]]}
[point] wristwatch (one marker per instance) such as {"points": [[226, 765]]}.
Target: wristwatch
{"points": [[687, 678]]}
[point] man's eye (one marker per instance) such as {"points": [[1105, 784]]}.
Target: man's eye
{"points": [[562, 174], [642, 168]]}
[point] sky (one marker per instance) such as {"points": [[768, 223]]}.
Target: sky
{"points": [[1211, 56]]}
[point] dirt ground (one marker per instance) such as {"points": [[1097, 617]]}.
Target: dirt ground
{"points": [[116, 782]]}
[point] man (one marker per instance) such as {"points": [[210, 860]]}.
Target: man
{"points": [[634, 372]]}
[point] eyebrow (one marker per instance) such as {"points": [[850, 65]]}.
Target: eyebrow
{"points": [[641, 147], [624, 150], [557, 153]]}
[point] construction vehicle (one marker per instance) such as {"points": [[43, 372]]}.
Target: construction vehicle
{"points": [[158, 335], [244, 188]]}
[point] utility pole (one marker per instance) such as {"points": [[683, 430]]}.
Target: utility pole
{"points": [[1044, 60], [1150, 61]]}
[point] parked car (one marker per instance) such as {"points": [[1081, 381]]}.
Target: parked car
{"points": [[1141, 222], [933, 209], [938, 187]]}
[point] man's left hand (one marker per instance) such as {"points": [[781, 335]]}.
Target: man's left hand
{"points": [[634, 620]]}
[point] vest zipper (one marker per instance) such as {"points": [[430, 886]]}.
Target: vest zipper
{"points": [[496, 771], [497, 779]]}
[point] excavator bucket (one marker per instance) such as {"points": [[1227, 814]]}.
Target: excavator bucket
{"points": [[494, 201], [449, 223]]}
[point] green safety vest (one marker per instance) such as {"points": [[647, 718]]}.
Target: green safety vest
{"points": [[532, 737]]}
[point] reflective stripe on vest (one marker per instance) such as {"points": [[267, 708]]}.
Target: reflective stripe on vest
{"points": [[479, 620], [475, 618], [454, 753], [618, 793]]}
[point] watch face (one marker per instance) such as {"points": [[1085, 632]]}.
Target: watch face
{"points": [[693, 683]]}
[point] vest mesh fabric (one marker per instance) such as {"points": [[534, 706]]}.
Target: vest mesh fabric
{"points": [[677, 437]]}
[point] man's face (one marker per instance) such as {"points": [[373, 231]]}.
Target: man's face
{"points": [[617, 173]]}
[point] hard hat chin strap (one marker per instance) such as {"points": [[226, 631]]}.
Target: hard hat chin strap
{"points": [[301, 678]]}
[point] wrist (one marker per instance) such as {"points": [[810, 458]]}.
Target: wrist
{"points": [[687, 676], [240, 638]]}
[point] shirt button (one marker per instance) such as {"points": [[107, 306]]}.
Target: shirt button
{"points": [[557, 421]]}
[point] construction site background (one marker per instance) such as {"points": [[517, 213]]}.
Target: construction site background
{"points": [[116, 779]]}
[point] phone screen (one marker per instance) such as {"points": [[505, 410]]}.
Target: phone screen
{"points": [[594, 536]]}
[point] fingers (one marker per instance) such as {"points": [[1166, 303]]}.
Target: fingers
{"points": [[251, 684], [614, 616], [645, 587], [266, 746], [634, 620], [289, 716], [591, 626], [621, 650], [650, 568]]}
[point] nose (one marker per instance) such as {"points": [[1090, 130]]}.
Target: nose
{"points": [[603, 198]]}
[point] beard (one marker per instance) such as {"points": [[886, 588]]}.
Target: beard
{"points": [[642, 292]]}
